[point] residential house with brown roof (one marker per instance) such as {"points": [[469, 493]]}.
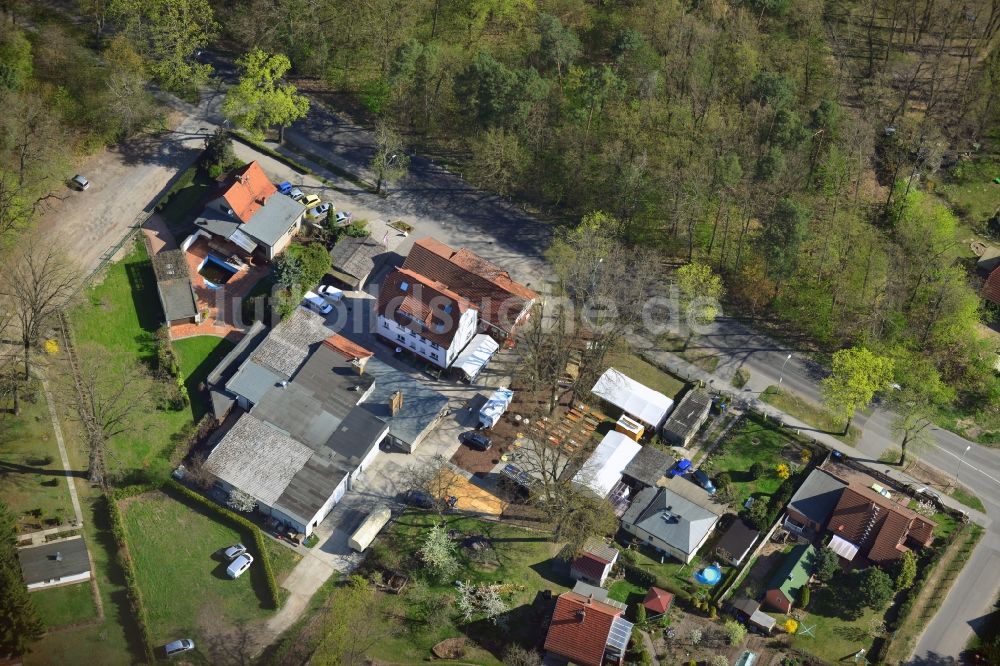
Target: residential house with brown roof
{"points": [[593, 563], [502, 302], [881, 529], [586, 631], [425, 316], [248, 212]]}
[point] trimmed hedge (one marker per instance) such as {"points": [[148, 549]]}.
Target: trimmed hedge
{"points": [[241, 523], [128, 567], [639, 576]]}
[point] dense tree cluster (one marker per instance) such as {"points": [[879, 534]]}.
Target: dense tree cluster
{"points": [[785, 145]]}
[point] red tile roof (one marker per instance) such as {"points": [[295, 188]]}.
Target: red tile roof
{"points": [[991, 290], [580, 628], [423, 305], [590, 566], [246, 190], [500, 299], [657, 600], [876, 524], [346, 348]]}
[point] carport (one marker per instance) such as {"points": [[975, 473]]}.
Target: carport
{"points": [[476, 356]]}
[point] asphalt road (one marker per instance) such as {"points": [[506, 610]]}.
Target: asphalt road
{"points": [[978, 469]]}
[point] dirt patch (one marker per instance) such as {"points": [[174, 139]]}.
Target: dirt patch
{"points": [[227, 644], [770, 556], [478, 462]]}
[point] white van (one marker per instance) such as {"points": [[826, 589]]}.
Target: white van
{"points": [[316, 303]]}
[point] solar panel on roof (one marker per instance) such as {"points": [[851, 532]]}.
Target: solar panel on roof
{"points": [[621, 631]]}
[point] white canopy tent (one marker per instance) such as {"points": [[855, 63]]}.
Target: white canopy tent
{"points": [[635, 399], [476, 355], [603, 470], [495, 407]]}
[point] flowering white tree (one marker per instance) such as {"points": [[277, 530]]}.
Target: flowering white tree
{"points": [[486, 600], [438, 552], [241, 501]]}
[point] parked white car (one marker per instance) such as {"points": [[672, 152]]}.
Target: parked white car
{"points": [[79, 182], [296, 194], [239, 565], [316, 303], [330, 293]]}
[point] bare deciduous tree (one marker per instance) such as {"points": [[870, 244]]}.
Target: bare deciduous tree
{"points": [[37, 284], [435, 478], [111, 390]]}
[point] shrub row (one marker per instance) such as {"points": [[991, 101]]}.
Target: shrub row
{"points": [[191, 435], [128, 567], [240, 523]]}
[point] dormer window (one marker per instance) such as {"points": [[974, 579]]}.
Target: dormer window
{"points": [[404, 285]]}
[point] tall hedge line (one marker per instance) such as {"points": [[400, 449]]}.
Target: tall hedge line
{"points": [[241, 523], [128, 566]]}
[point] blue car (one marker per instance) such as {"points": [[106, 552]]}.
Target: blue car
{"points": [[285, 187], [681, 468], [702, 480]]}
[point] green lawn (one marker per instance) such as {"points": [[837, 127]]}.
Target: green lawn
{"points": [[31, 474], [809, 413], [115, 641], [58, 606], [832, 638], [184, 201], [749, 442], [626, 592], [520, 557], [645, 373], [968, 499], [944, 525], [183, 578], [972, 191], [198, 357], [122, 314]]}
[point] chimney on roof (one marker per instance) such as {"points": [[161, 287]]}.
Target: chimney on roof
{"points": [[396, 403], [359, 363], [581, 615]]}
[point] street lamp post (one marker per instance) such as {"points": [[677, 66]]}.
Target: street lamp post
{"points": [[961, 461], [781, 373]]}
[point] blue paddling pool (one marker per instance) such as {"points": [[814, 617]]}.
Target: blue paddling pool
{"points": [[710, 575]]}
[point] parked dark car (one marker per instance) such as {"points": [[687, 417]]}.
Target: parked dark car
{"points": [[420, 499], [702, 480], [475, 440]]}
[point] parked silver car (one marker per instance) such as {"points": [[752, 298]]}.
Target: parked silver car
{"points": [[178, 646], [79, 182], [234, 551], [239, 565]]}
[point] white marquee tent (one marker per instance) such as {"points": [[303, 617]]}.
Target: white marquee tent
{"points": [[603, 470], [635, 399]]}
